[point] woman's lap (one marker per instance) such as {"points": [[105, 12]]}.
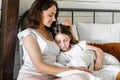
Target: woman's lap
{"points": [[29, 76], [74, 77]]}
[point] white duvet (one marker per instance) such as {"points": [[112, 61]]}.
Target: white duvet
{"points": [[89, 76], [110, 69], [111, 66]]}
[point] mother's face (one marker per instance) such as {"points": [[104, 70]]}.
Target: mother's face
{"points": [[49, 16]]}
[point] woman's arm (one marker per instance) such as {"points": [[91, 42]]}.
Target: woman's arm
{"points": [[99, 56], [34, 52], [67, 22]]}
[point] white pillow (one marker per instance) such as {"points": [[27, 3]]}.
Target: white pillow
{"points": [[110, 59], [107, 60], [99, 33]]}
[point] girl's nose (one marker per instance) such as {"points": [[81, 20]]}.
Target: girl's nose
{"points": [[62, 44]]}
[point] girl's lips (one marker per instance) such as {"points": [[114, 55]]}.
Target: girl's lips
{"points": [[63, 48]]}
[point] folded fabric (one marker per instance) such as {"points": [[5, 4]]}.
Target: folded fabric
{"points": [[88, 75]]}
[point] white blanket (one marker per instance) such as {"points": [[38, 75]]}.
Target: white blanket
{"points": [[109, 72], [111, 67], [89, 76]]}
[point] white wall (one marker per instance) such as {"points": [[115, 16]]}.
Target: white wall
{"points": [[84, 4], [90, 4], [24, 5]]}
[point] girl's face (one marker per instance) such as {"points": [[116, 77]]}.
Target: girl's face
{"points": [[49, 16], [63, 41]]}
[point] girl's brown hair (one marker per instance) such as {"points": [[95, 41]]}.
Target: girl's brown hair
{"points": [[60, 28]]}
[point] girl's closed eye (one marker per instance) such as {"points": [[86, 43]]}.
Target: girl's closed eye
{"points": [[66, 40], [58, 42]]}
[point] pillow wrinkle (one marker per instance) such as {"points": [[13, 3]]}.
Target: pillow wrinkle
{"points": [[112, 48]]}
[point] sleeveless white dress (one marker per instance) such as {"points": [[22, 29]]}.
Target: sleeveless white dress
{"points": [[76, 57], [48, 49]]}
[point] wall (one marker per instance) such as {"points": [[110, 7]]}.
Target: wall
{"points": [[90, 4]]}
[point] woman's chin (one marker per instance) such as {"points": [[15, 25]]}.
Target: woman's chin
{"points": [[49, 25]]}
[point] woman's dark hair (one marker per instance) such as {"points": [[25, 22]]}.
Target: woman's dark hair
{"points": [[60, 28], [35, 12]]}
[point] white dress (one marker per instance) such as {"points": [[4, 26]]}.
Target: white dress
{"points": [[78, 56], [49, 52], [75, 57], [48, 49]]}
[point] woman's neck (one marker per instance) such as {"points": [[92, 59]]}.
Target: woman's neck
{"points": [[45, 33]]}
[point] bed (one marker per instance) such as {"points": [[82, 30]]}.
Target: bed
{"points": [[100, 34], [105, 35]]}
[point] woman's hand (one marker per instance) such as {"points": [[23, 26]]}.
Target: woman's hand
{"points": [[67, 22]]}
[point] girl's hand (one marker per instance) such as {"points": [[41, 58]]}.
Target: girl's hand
{"points": [[98, 65]]}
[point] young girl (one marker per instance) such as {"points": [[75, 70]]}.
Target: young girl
{"points": [[73, 53], [71, 49]]}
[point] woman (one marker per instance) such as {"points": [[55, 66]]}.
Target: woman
{"points": [[39, 48]]}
